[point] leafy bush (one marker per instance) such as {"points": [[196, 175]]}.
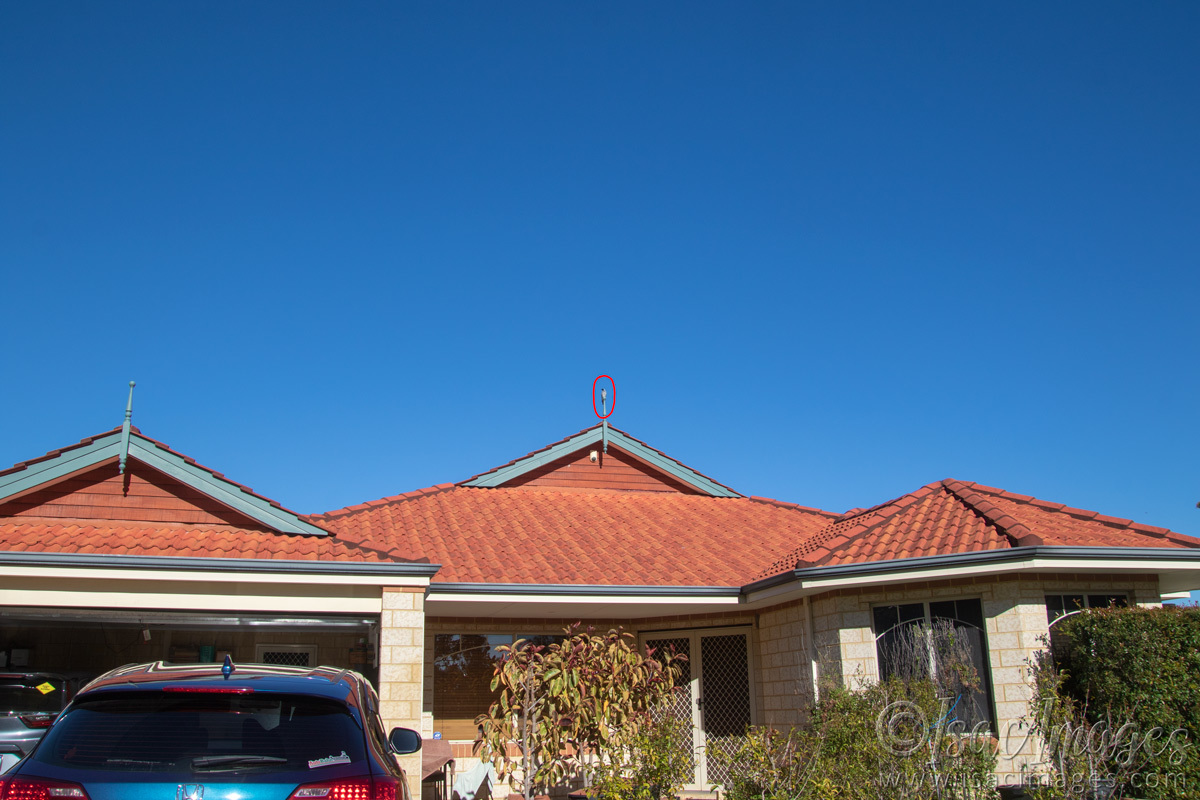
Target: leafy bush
{"points": [[885, 741], [591, 694], [1118, 702], [650, 766]]}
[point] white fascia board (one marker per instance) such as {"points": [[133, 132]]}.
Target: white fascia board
{"points": [[224, 576], [167, 599], [560, 601]]}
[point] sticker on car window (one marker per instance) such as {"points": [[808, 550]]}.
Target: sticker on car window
{"points": [[329, 761], [46, 688]]}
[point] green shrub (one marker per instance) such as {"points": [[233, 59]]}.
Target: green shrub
{"points": [[1119, 700], [650, 766], [885, 741]]}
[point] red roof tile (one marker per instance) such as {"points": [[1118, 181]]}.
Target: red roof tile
{"points": [[605, 537], [81, 536], [551, 536], [956, 517]]}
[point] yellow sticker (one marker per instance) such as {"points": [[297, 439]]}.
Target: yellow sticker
{"points": [[46, 688]]}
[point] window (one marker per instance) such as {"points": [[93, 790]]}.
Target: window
{"points": [[921, 640], [1060, 605], [292, 655], [149, 731], [463, 666]]}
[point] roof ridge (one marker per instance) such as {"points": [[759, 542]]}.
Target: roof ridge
{"points": [[1018, 532], [785, 504], [791, 560], [858, 512], [1085, 514], [384, 501], [901, 503]]}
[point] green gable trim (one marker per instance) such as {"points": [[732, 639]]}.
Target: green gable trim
{"points": [[660, 462], [108, 447], [220, 490], [71, 461]]}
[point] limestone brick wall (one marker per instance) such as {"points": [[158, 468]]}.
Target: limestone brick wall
{"points": [[785, 666], [401, 667]]}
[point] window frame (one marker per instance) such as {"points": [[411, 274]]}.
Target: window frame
{"points": [[987, 689]]}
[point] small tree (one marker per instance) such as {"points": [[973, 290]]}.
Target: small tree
{"points": [[589, 694]]}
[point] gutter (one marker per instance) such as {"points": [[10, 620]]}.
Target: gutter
{"points": [[981, 558], [577, 590], [260, 565]]}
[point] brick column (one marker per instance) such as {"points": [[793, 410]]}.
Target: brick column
{"points": [[1016, 631], [401, 668]]}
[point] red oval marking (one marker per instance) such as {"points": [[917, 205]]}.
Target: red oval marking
{"points": [[613, 407]]}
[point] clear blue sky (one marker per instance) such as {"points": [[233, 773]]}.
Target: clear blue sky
{"points": [[829, 253]]}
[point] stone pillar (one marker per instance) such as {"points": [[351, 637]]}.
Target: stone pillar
{"points": [[1016, 630], [402, 668]]}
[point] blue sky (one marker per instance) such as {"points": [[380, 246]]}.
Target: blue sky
{"points": [[830, 253]]}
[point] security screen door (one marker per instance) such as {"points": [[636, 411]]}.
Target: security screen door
{"points": [[714, 696]]}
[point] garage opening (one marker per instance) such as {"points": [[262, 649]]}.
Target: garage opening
{"points": [[80, 644]]}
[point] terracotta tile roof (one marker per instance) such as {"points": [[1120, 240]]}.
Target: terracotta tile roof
{"points": [[556, 536], [129, 538], [533, 535], [957, 517], [1057, 524], [585, 430]]}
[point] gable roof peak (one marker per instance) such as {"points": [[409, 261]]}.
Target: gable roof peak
{"points": [[108, 448], [655, 459]]}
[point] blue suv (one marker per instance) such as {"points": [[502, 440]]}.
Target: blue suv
{"points": [[213, 732]]}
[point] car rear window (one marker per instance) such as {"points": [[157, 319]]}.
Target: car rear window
{"points": [[213, 733], [33, 693]]}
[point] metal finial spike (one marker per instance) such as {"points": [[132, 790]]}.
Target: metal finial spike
{"points": [[604, 400], [125, 429]]}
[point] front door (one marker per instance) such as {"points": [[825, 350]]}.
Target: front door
{"points": [[714, 698]]}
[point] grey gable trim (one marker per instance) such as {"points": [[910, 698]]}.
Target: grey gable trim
{"points": [[43, 472], [203, 481], [107, 447], [615, 437], [192, 564]]}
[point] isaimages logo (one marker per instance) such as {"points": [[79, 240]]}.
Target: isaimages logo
{"points": [[1076, 758]]}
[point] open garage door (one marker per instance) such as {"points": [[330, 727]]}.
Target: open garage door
{"points": [[83, 643]]}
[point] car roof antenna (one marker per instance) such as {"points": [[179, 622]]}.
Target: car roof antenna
{"points": [[227, 667]]}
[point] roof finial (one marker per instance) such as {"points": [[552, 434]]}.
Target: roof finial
{"points": [[125, 428], [604, 408]]}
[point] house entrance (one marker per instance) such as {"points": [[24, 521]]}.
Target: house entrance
{"points": [[714, 696]]}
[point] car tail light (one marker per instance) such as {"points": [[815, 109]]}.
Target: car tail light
{"points": [[42, 789], [350, 789], [210, 689], [37, 720]]}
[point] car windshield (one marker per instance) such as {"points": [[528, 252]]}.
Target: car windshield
{"points": [[204, 733], [31, 693]]}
